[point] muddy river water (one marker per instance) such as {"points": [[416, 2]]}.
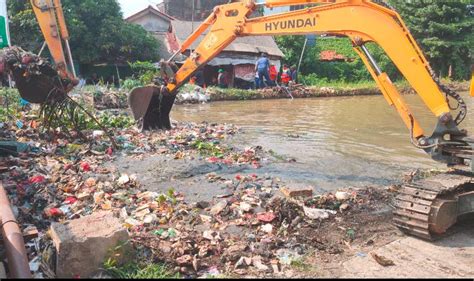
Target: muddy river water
{"points": [[337, 142]]}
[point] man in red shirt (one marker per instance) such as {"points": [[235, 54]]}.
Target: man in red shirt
{"points": [[285, 75], [273, 74]]}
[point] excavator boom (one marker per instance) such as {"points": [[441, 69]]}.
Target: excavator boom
{"points": [[50, 16], [362, 21]]}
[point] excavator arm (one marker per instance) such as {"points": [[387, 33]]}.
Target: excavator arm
{"points": [[423, 209], [360, 20]]}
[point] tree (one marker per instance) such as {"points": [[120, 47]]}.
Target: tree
{"points": [[98, 32], [444, 29], [352, 71]]}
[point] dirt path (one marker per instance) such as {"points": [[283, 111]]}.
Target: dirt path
{"points": [[450, 257]]}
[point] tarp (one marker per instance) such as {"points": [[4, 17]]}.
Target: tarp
{"points": [[247, 71]]}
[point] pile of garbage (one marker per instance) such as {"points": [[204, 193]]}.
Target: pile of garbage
{"points": [[53, 178], [110, 99], [102, 97], [192, 94], [254, 229]]}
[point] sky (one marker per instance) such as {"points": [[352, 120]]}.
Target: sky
{"points": [[130, 7]]}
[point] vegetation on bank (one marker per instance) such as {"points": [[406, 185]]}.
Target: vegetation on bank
{"points": [[139, 271], [13, 108], [320, 88]]}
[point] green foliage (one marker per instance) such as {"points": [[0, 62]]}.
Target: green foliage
{"points": [[136, 271], [130, 84], [98, 32], [145, 71], [10, 108], [120, 121], [208, 148], [231, 94], [352, 71], [317, 81], [445, 31], [169, 197]]}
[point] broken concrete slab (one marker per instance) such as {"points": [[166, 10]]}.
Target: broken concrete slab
{"points": [[84, 244], [450, 257], [297, 192]]}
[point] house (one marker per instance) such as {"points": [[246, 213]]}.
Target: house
{"points": [[238, 59], [158, 24]]}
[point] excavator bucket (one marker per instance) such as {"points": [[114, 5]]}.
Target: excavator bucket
{"points": [[151, 105]]}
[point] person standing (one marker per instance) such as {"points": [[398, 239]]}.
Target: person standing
{"points": [[294, 73], [221, 79], [263, 67], [273, 74], [285, 75]]}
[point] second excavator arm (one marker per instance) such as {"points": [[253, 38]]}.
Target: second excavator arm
{"points": [[50, 16], [37, 80]]}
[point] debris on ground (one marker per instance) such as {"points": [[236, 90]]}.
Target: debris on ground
{"points": [[383, 261], [250, 230]]}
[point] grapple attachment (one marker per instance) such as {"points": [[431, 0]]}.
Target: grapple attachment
{"points": [[36, 79], [151, 105]]}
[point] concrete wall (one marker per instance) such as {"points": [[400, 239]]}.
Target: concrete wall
{"points": [[182, 9], [153, 23]]}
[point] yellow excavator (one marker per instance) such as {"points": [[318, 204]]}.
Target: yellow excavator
{"points": [[425, 208]]}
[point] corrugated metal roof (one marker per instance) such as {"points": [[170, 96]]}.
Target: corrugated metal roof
{"points": [[250, 44]]}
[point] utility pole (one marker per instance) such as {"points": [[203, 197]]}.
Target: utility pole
{"points": [[192, 21], [302, 54]]}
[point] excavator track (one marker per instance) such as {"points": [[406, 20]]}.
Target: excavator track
{"points": [[429, 207]]}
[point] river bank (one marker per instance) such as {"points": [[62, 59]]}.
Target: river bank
{"points": [[214, 94], [207, 211]]}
